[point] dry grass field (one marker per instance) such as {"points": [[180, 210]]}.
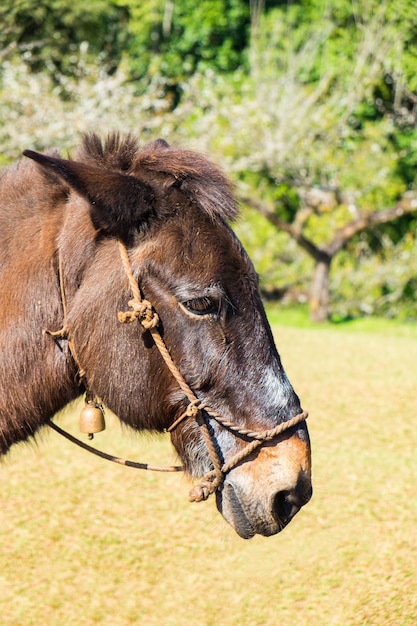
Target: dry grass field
{"points": [[85, 542]]}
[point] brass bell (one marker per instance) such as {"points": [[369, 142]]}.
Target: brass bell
{"points": [[92, 419]]}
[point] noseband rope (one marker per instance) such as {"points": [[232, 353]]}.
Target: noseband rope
{"points": [[141, 309]]}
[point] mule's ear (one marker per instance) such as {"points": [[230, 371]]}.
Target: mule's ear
{"points": [[119, 203]]}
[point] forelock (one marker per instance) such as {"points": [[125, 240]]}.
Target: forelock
{"points": [[201, 180]]}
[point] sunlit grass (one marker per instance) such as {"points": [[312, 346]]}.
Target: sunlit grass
{"points": [[86, 542]]}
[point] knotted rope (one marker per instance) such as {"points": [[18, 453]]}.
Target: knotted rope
{"points": [[142, 310]]}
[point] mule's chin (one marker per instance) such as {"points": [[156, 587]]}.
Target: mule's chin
{"points": [[247, 519]]}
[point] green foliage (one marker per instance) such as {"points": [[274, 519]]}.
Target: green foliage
{"points": [[172, 39], [161, 40], [316, 118], [279, 193], [48, 33], [402, 16], [377, 283], [306, 134], [405, 141], [278, 261]]}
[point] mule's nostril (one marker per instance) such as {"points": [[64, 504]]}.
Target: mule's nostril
{"points": [[285, 506]]}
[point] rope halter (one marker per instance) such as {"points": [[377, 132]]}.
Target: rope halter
{"points": [[142, 310]]}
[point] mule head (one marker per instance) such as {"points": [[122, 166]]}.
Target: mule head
{"points": [[217, 333], [172, 207]]}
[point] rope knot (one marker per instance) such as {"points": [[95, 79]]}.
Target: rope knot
{"points": [[194, 408], [210, 483], [148, 317], [141, 310], [192, 411], [201, 492]]}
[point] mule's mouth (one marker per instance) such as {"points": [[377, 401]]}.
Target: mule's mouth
{"points": [[230, 507], [249, 517], [247, 520]]}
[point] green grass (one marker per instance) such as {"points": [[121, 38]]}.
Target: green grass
{"points": [[86, 542], [298, 316]]}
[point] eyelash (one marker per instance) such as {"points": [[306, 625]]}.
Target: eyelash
{"points": [[202, 306]]}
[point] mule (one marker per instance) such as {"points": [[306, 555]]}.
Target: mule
{"points": [[62, 285]]}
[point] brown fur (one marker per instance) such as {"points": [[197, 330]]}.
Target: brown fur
{"points": [[171, 207]]}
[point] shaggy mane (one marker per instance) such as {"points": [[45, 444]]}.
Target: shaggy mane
{"points": [[115, 151], [202, 181]]}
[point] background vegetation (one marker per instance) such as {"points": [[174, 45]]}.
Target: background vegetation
{"points": [[310, 106], [86, 542]]}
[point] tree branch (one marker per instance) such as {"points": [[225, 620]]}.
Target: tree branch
{"points": [[407, 204], [293, 230]]}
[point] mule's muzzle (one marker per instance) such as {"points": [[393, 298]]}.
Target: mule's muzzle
{"points": [[263, 496], [250, 517]]}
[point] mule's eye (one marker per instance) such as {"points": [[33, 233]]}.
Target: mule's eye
{"points": [[202, 306]]}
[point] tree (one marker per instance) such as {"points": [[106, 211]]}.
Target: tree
{"points": [[162, 41], [323, 255], [311, 142], [316, 120]]}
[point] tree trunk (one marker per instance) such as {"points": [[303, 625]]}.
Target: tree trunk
{"points": [[319, 294]]}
